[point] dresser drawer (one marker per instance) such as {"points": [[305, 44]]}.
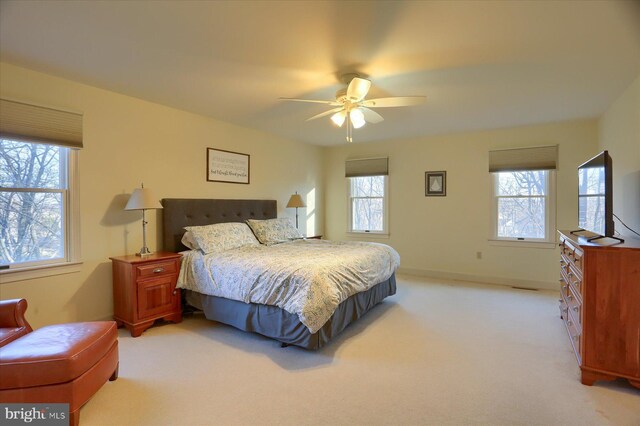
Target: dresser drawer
{"points": [[575, 283], [572, 255], [156, 269], [574, 336], [564, 309], [574, 306]]}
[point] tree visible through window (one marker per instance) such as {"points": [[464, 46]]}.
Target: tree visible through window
{"points": [[522, 199], [367, 199], [33, 199]]}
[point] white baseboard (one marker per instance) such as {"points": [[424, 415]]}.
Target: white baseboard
{"points": [[104, 318], [511, 282]]}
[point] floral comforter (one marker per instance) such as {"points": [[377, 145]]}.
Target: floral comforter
{"points": [[309, 278]]}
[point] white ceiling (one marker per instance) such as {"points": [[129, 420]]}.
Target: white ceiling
{"points": [[481, 64]]}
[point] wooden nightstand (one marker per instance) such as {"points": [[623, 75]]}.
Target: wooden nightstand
{"points": [[144, 290]]}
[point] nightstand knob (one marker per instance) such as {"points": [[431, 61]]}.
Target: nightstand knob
{"points": [[158, 270], [174, 292]]}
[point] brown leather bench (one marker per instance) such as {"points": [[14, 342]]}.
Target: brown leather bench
{"points": [[64, 363]]}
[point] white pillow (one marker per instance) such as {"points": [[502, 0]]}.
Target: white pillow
{"points": [[222, 236], [189, 242], [274, 231]]}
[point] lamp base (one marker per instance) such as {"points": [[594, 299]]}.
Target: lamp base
{"points": [[144, 252]]}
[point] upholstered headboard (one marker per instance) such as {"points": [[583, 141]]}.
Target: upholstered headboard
{"points": [[180, 212]]}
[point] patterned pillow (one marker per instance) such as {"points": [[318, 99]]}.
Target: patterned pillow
{"points": [[274, 231], [222, 236], [189, 242]]}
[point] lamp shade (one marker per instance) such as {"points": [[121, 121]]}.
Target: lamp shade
{"points": [[357, 118], [338, 118], [143, 199], [296, 201]]}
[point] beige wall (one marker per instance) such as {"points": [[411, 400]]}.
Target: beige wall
{"points": [[127, 141], [440, 236], [619, 130]]}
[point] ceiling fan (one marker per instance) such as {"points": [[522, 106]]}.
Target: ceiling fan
{"points": [[352, 107]]}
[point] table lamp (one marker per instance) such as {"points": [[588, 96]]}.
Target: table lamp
{"points": [[296, 201], [143, 199]]}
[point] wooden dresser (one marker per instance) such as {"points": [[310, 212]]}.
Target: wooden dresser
{"points": [[600, 306]]}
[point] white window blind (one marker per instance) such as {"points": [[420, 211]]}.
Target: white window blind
{"points": [[519, 159], [36, 124], [367, 167]]}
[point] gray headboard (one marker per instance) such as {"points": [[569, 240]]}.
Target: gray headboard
{"points": [[180, 212]]}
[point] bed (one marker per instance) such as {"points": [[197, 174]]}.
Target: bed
{"points": [[266, 319]]}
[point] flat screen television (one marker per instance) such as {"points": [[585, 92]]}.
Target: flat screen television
{"points": [[595, 195]]}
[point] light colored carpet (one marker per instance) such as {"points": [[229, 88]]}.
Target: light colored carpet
{"points": [[435, 353]]}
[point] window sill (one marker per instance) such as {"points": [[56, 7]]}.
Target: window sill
{"points": [[380, 235], [523, 244], [41, 271]]}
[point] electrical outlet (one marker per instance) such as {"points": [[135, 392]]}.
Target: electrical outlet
{"points": [[478, 255]]}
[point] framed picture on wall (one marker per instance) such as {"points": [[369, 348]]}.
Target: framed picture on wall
{"points": [[227, 166], [435, 184]]}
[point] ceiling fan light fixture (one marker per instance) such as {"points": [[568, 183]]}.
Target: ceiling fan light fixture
{"points": [[357, 118], [352, 107], [338, 118]]}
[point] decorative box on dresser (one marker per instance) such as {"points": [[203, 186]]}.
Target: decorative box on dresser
{"points": [[144, 290], [600, 306]]}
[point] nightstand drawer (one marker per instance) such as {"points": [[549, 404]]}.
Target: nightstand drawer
{"points": [[156, 269]]}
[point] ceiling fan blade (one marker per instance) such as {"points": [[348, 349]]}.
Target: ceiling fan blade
{"points": [[370, 115], [358, 89], [323, 114], [398, 101], [332, 103]]}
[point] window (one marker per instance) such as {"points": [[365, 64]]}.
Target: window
{"points": [[368, 194], [368, 204], [523, 182], [39, 208], [523, 205], [34, 203]]}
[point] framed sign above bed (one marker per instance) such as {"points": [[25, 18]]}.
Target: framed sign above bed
{"points": [[227, 166]]}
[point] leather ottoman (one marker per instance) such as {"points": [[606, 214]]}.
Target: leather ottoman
{"points": [[65, 363]]}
